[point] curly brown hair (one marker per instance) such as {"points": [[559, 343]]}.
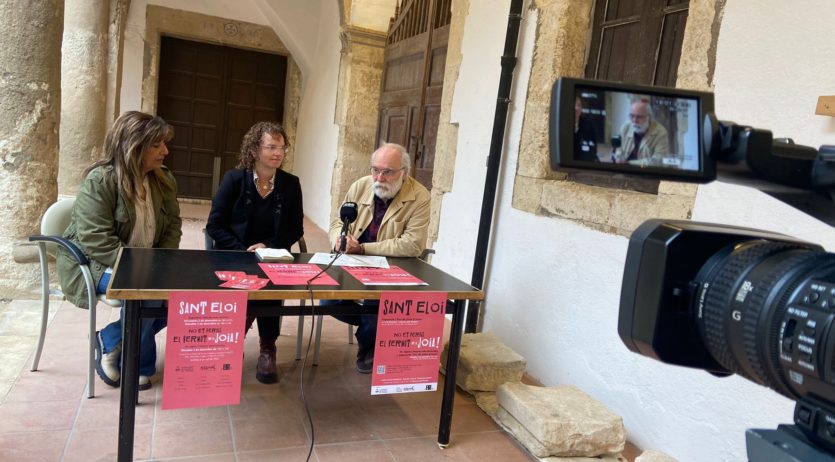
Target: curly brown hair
{"points": [[251, 142]]}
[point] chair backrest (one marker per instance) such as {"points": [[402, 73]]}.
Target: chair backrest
{"points": [[56, 219], [209, 242], [425, 254]]}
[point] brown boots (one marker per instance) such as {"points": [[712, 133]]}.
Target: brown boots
{"points": [[266, 371]]}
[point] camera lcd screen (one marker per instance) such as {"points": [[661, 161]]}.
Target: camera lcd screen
{"points": [[632, 129]]}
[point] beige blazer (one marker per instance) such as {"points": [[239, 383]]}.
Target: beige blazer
{"points": [[405, 225], [654, 146]]}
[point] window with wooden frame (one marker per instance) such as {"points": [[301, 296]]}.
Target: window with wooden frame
{"points": [[637, 41]]}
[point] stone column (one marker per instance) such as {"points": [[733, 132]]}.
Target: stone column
{"points": [[116, 39], [357, 106], [84, 55], [30, 104]]}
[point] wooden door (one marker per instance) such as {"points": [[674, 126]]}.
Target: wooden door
{"points": [[211, 95], [637, 41], [413, 78]]}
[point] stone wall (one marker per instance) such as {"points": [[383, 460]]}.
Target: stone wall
{"points": [[595, 201], [30, 101], [357, 106]]}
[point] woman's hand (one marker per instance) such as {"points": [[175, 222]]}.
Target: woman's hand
{"points": [[252, 248]]}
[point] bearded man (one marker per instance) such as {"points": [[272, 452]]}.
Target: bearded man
{"points": [[643, 139], [392, 221]]}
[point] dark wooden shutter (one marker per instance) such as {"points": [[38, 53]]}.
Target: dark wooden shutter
{"points": [[637, 41], [211, 95], [413, 79]]}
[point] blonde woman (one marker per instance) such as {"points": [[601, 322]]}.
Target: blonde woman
{"points": [[127, 199]]}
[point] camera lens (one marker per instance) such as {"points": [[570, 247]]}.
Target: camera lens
{"points": [[761, 309]]}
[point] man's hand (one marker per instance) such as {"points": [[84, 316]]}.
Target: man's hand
{"points": [[352, 245], [255, 246]]}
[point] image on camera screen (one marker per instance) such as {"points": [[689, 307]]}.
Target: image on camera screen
{"points": [[635, 129]]}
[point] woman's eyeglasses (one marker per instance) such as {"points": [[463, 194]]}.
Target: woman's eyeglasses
{"points": [[274, 148]]}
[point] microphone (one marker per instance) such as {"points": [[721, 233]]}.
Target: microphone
{"points": [[348, 214]]}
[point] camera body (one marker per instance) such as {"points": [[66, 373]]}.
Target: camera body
{"points": [[696, 147], [728, 300], [735, 300]]}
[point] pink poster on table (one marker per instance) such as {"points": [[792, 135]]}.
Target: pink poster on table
{"points": [[410, 331], [204, 349], [391, 276], [296, 274]]}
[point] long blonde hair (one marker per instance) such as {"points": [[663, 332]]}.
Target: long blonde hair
{"points": [[131, 135]]}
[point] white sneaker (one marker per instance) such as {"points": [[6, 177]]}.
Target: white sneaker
{"points": [[107, 364], [144, 383]]}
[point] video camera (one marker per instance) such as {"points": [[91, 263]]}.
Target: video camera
{"points": [[725, 299]]}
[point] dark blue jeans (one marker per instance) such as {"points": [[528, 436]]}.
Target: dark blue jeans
{"points": [[111, 335], [366, 332]]}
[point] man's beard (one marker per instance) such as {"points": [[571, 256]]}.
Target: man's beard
{"points": [[640, 128], [387, 191]]}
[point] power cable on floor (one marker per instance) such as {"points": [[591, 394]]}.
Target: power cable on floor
{"points": [[307, 350]]}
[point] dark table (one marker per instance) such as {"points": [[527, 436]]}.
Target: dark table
{"points": [[150, 274]]}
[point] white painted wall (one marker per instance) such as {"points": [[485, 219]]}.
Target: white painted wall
{"points": [[310, 30], [317, 134], [553, 287], [473, 109]]}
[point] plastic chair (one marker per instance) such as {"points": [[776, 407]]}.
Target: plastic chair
{"points": [[53, 223], [210, 245]]}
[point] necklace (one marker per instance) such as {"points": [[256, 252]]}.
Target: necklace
{"points": [[263, 186]]}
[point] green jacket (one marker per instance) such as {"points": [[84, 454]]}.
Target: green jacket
{"points": [[101, 223]]}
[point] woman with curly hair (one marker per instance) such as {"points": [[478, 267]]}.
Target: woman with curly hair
{"points": [[258, 205]]}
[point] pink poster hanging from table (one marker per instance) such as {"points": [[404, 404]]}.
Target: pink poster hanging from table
{"points": [[410, 331], [204, 349]]}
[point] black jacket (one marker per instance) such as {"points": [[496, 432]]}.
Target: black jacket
{"points": [[231, 209]]}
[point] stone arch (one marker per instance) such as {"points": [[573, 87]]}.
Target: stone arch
{"points": [[220, 31]]}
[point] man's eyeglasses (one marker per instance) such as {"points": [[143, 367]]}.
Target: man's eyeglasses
{"points": [[274, 148], [384, 172]]}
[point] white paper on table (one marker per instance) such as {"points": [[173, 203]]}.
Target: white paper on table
{"points": [[372, 261]]}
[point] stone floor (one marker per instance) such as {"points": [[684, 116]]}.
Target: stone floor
{"points": [[45, 415]]}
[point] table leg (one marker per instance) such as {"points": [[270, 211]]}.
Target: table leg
{"points": [[130, 378], [451, 368]]}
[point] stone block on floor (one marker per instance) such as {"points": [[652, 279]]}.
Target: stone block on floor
{"points": [[485, 363], [486, 400], [559, 421], [603, 458], [654, 456]]}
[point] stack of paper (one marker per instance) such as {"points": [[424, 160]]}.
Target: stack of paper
{"points": [[369, 261], [267, 254]]}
